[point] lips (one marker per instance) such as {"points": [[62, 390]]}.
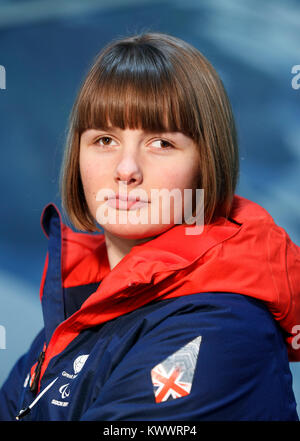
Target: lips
{"points": [[127, 197], [127, 202]]}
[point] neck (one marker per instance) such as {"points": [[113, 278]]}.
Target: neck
{"points": [[119, 247]]}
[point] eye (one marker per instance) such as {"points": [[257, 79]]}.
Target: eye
{"points": [[164, 145], [106, 141]]}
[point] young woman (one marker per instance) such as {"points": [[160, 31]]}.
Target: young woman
{"points": [[159, 316]]}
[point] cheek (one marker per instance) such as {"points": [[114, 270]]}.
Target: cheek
{"points": [[180, 177], [86, 177], [191, 174], [165, 176], [91, 178]]}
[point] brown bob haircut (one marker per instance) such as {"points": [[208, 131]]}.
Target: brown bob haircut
{"points": [[155, 82]]}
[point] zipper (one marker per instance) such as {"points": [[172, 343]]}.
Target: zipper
{"points": [[27, 410], [36, 376], [35, 384]]}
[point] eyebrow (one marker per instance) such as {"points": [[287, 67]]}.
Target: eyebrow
{"points": [[93, 132]]}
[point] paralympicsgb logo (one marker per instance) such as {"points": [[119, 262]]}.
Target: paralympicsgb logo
{"points": [[65, 389]]}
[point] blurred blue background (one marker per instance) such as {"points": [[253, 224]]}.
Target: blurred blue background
{"points": [[47, 46]]}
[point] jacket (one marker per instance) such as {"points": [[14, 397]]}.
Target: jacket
{"points": [[146, 340]]}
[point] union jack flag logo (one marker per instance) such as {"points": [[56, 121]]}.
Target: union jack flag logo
{"points": [[173, 377], [167, 385]]}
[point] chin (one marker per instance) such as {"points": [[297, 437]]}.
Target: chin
{"points": [[138, 231]]}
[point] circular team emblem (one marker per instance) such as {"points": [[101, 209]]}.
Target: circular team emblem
{"points": [[79, 363]]}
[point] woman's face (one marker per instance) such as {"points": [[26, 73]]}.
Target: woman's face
{"points": [[116, 164]]}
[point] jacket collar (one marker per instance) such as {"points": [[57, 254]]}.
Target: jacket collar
{"points": [[244, 254], [81, 258]]}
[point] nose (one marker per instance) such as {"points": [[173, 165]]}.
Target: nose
{"points": [[128, 171]]}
